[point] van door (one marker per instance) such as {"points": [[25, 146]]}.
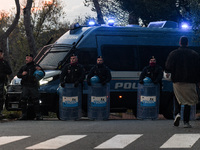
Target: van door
{"points": [[120, 55]]}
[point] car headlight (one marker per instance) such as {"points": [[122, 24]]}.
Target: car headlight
{"points": [[45, 80]]}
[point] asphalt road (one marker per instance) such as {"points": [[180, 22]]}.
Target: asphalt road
{"points": [[89, 135]]}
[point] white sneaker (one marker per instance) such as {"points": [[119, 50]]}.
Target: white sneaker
{"points": [[177, 120]]}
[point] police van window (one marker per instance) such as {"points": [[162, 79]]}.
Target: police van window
{"points": [[159, 52], [120, 57], [51, 60], [87, 57]]}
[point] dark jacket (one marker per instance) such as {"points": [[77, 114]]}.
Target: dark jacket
{"points": [[4, 71], [102, 71], [155, 73], [184, 65], [28, 79], [72, 73]]}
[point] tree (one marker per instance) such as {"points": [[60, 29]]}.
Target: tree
{"points": [[99, 13], [190, 9], [5, 35], [41, 17], [47, 24], [48, 19], [97, 8], [145, 11], [29, 27], [151, 10]]}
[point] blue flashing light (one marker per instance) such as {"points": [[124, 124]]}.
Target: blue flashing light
{"points": [[91, 23], [111, 22], [74, 26], [185, 26]]}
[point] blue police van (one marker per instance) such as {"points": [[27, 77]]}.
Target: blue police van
{"points": [[126, 51]]}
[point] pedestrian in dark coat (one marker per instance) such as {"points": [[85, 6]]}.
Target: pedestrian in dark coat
{"points": [[5, 70], [184, 66], [100, 70], [30, 87], [72, 73]]}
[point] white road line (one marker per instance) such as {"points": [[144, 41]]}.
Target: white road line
{"points": [[181, 141], [9, 139], [119, 141], [57, 142]]}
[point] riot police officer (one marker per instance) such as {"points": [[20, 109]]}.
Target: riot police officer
{"points": [[153, 71], [100, 70], [72, 72], [4, 71], [30, 87]]}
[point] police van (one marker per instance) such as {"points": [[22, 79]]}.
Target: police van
{"points": [[126, 51]]}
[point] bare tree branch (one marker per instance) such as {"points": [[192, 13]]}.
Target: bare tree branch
{"points": [[3, 37]]}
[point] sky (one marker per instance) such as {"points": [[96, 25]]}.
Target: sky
{"points": [[73, 8]]}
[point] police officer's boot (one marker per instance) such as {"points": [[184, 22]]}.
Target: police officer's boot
{"points": [[24, 114], [24, 110], [37, 112]]}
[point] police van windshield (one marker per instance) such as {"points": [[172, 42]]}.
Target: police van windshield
{"points": [[53, 57]]}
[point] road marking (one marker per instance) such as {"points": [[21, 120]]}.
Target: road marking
{"points": [[57, 142], [181, 141], [119, 141], [9, 139]]}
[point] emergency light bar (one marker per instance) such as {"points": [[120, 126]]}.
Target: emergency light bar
{"points": [[185, 25], [111, 22], [91, 23]]}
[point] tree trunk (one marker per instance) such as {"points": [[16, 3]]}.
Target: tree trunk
{"points": [[132, 19], [29, 27], [3, 37], [99, 13]]}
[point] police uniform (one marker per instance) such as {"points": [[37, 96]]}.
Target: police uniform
{"points": [[72, 73], [102, 71], [30, 87], [155, 73], [4, 71]]}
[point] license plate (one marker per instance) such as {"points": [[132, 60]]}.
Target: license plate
{"points": [[14, 106]]}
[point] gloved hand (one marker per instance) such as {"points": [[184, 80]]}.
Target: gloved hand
{"points": [[89, 83], [62, 84], [76, 84]]}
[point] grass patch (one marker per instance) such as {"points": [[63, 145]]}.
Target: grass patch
{"points": [[11, 114]]}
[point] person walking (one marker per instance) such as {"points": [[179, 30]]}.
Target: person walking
{"points": [[5, 70], [183, 64], [30, 86], [100, 70]]}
